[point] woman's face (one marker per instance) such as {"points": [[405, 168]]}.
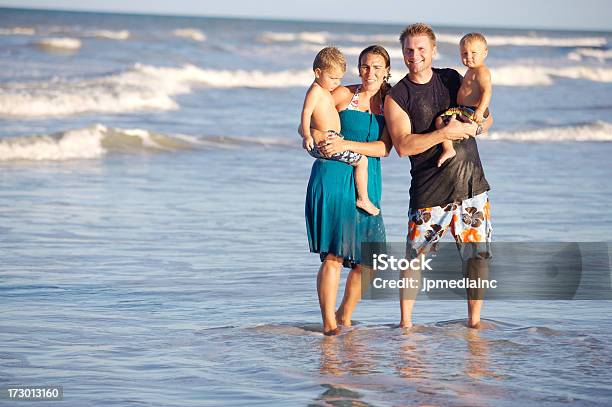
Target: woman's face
{"points": [[372, 71]]}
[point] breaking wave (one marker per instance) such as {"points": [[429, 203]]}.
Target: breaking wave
{"points": [[90, 142], [141, 87], [584, 53], [59, 43], [190, 33], [531, 41], [323, 37], [597, 131]]}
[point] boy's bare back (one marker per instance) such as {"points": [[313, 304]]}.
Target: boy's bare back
{"points": [[324, 115]]}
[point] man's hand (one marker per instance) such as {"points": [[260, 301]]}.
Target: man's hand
{"points": [[458, 130]]}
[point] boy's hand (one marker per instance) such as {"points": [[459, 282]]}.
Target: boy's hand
{"points": [[479, 116], [308, 143]]}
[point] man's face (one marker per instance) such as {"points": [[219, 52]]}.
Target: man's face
{"points": [[419, 52]]}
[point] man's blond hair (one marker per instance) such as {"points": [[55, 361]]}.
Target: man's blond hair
{"points": [[416, 30], [329, 57]]}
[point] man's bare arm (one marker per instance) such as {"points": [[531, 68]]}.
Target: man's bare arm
{"points": [[406, 143]]}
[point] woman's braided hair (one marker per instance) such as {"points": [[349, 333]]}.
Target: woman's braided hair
{"points": [[378, 50]]}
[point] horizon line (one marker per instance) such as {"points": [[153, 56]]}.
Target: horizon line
{"points": [[292, 19]]}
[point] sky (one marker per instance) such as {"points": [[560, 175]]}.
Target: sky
{"points": [[548, 14]]}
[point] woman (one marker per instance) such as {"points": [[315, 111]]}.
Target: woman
{"points": [[336, 228]]}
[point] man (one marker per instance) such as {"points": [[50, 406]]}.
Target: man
{"points": [[455, 194]]}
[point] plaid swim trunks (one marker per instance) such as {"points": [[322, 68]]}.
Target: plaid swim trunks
{"points": [[348, 157], [469, 221]]}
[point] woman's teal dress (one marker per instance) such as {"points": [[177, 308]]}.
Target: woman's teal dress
{"points": [[333, 222]]}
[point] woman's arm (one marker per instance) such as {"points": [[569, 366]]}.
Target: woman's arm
{"points": [[379, 148]]}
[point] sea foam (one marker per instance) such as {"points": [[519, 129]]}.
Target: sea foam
{"points": [[141, 87], [90, 142], [596, 131]]}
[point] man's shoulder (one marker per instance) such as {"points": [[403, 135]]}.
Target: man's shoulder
{"points": [[450, 78], [401, 83], [447, 73], [401, 87]]}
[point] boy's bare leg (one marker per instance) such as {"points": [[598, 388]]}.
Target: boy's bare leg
{"points": [[361, 184], [448, 152], [352, 295], [328, 279]]}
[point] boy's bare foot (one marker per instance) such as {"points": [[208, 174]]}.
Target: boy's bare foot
{"points": [[446, 155], [332, 332], [368, 206]]}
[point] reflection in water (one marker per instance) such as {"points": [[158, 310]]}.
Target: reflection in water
{"points": [[346, 353], [477, 365], [442, 363], [410, 364], [335, 395]]}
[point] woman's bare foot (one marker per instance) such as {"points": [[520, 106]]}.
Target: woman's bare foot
{"points": [[447, 154], [368, 206], [332, 332], [340, 320]]}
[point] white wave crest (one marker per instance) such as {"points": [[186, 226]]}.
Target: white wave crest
{"points": [[372, 39], [90, 142], [191, 33], [355, 51], [597, 131], [493, 40], [59, 43], [321, 37], [80, 143], [18, 31], [534, 75], [139, 88], [582, 53], [108, 34], [531, 41]]}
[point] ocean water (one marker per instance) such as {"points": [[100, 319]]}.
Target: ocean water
{"points": [[151, 219]]}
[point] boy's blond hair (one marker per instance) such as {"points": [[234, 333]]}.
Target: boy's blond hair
{"points": [[473, 37], [329, 57], [416, 30]]}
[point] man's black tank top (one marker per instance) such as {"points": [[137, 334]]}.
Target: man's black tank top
{"points": [[462, 176]]}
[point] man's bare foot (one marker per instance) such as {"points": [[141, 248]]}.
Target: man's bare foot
{"points": [[332, 332], [446, 155], [368, 206], [474, 324], [405, 324]]}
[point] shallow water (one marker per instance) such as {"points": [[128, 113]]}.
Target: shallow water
{"points": [[159, 257], [184, 279]]}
